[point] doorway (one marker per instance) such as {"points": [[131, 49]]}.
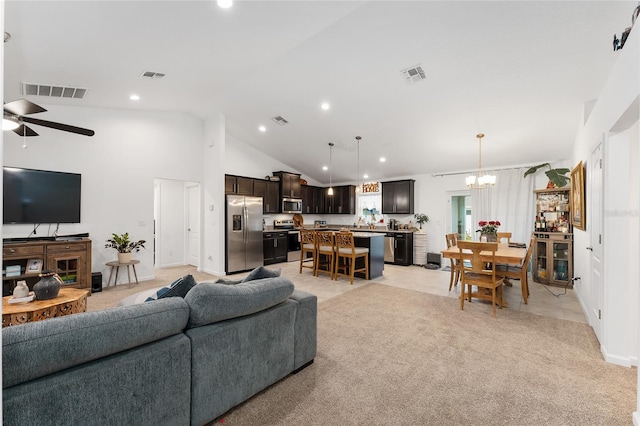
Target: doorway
{"points": [[177, 223], [460, 214]]}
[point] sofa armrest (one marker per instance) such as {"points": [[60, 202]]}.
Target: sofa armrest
{"points": [[305, 328]]}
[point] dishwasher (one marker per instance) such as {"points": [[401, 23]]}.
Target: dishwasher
{"points": [[389, 247]]}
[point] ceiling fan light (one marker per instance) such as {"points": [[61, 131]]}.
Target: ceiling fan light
{"points": [[9, 124]]}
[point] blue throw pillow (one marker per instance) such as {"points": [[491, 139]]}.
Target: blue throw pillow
{"points": [[261, 272], [178, 288]]}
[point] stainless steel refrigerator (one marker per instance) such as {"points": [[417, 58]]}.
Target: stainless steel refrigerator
{"points": [[244, 233]]}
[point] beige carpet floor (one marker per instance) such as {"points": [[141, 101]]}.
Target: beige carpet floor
{"points": [[394, 356]]}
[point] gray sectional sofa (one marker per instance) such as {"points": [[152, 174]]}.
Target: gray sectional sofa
{"points": [[172, 361]]}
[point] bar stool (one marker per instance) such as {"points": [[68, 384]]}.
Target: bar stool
{"points": [[345, 248], [324, 247], [307, 245]]}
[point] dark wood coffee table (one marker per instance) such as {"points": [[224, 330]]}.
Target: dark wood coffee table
{"points": [[69, 301]]}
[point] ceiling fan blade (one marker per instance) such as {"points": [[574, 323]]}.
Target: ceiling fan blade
{"points": [[22, 107], [23, 130], [59, 126]]}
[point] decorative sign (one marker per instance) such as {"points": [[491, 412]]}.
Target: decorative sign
{"points": [[370, 187]]}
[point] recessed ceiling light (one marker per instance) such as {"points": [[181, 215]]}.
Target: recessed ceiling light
{"points": [[225, 4], [365, 176], [262, 129], [382, 159], [325, 168], [134, 97], [325, 106]]}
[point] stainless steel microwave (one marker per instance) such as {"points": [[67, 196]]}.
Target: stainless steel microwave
{"points": [[291, 205]]}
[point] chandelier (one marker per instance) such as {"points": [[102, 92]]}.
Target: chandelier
{"points": [[480, 180]]}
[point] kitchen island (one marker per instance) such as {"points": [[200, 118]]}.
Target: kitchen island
{"points": [[374, 241]]}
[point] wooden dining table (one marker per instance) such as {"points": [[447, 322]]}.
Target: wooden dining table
{"points": [[505, 255]]}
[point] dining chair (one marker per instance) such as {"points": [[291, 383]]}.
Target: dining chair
{"points": [[325, 253], [480, 271], [347, 250], [307, 245], [519, 272], [452, 240], [503, 235]]}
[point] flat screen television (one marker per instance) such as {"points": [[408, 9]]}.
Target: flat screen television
{"points": [[40, 196]]}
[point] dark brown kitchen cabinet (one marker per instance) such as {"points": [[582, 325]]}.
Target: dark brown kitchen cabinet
{"points": [[397, 197], [238, 185], [289, 184], [270, 193], [403, 253], [274, 247], [313, 199], [343, 200]]}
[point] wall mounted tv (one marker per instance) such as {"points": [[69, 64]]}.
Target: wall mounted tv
{"points": [[40, 196]]}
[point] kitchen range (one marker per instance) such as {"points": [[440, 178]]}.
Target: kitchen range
{"points": [[293, 238]]}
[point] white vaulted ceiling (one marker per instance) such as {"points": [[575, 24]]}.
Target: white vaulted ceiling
{"points": [[520, 72]]}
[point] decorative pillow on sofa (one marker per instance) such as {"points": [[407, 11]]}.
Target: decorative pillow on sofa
{"points": [[261, 272], [178, 288]]}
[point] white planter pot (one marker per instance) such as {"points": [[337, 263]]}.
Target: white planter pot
{"points": [[124, 257]]}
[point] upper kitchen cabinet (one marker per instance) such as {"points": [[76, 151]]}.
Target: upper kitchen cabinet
{"points": [[312, 199], [289, 184], [270, 193], [238, 185], [343, 200], [397, 197]]}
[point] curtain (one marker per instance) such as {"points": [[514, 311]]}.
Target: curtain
{"points": [[511, 202]]}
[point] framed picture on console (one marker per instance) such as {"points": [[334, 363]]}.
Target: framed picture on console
{"points": [[576, 198], [34, 266]]}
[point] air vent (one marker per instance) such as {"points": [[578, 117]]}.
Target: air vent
{"points": [[281, 121], [55, 91], [414, 74], [151, 74]]}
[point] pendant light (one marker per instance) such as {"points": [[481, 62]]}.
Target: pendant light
{"points": [[358, 187], [330, 191], [480, 180]]}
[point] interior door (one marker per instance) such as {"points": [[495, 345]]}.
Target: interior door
{"points": [[595, 223], [193, 225]]}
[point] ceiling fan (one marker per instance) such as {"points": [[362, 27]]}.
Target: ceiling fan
{"points": [[15, 116]]}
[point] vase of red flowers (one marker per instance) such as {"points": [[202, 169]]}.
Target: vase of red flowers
{"points": [[489, 230]]}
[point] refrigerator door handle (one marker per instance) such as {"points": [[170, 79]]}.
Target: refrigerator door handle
{"points": [[245, 219]]}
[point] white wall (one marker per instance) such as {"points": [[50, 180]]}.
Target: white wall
{"points": [[118, 166]]}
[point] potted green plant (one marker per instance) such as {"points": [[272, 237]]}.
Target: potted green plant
{"points": [[556, 176], [421, 218], [124, 246]]}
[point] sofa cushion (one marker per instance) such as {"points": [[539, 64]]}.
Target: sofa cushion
{"points": [[178, 288], [212, 302], [261, 272]]}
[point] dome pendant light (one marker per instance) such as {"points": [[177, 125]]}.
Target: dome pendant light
{"points": [[330, 191]]}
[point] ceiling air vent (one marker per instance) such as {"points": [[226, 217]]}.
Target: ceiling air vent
{"points": [[151, 74], [414, 74], [56, 91], [281, 121]]}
